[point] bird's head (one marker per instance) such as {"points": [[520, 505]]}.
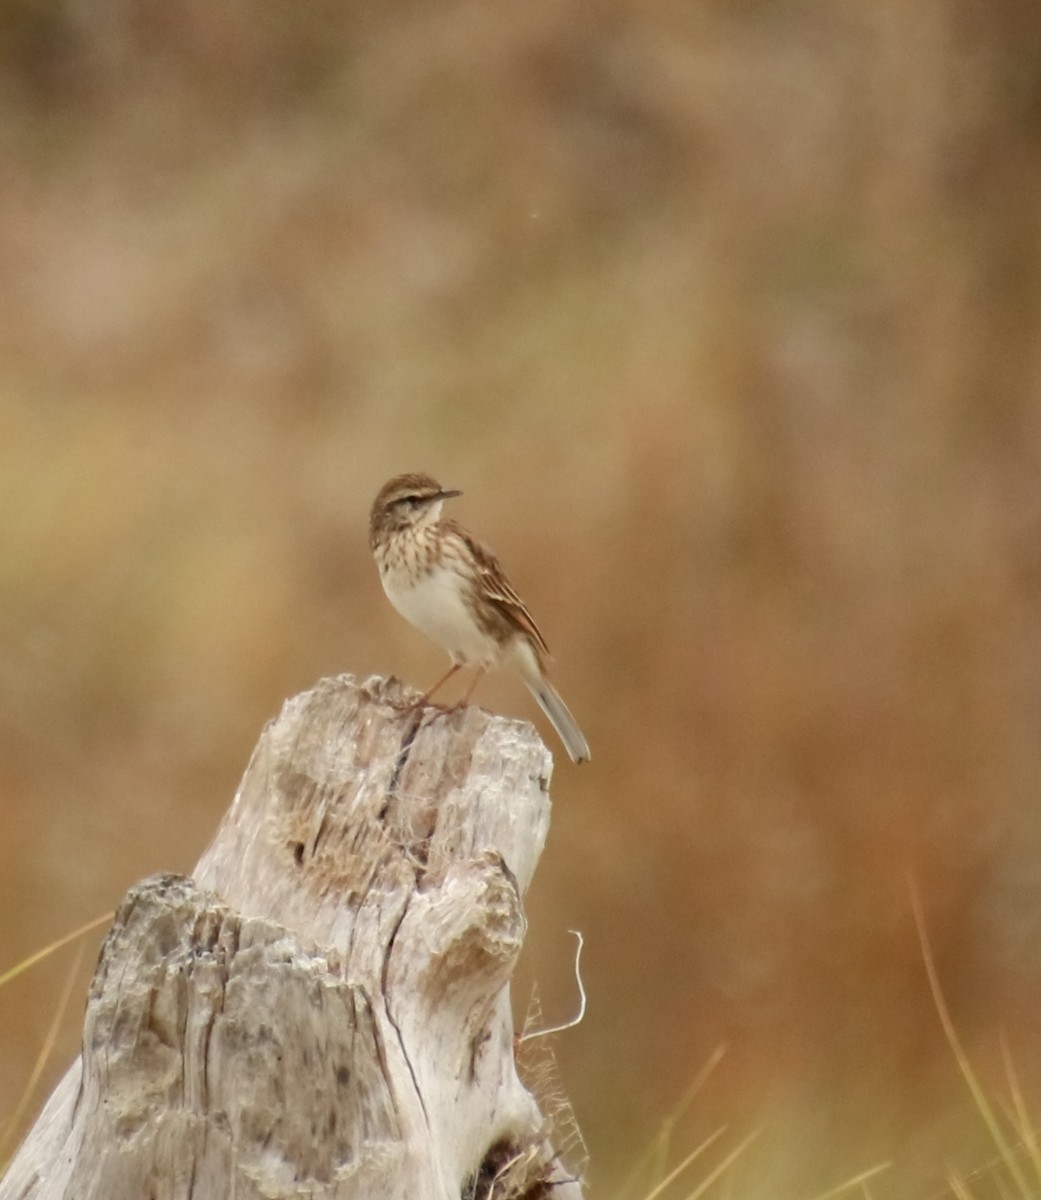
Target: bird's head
{"points": [[408, 502]]}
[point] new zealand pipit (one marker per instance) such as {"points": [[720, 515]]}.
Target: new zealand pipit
{"points": [[450, 587]]}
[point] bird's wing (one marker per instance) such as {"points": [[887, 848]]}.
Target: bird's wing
{"points": [[498, 590]]}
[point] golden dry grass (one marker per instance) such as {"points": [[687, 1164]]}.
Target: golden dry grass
{"points": [[725, 318]]}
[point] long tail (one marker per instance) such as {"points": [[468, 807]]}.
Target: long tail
{"points": [[563, 722]]}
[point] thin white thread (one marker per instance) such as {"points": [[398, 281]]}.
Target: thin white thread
{"points": [[579, 1016]]}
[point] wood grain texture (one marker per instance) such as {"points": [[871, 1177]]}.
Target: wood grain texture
{"points": [[323, 1008]]}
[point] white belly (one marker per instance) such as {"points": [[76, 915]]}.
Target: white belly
{"points": [[434, 605]]}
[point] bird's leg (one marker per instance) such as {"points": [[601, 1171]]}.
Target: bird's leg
{"points": [[470, 690], [440, 683]]}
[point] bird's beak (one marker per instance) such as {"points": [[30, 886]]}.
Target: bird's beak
{"points": [[448, 493]]}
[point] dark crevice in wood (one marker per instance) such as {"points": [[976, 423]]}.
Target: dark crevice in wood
{"points": [[390, 1016], [399, 766], [512, 1169], [323, 830]]}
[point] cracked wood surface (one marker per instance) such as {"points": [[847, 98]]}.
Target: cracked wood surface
{"points": [[323, 1008]]}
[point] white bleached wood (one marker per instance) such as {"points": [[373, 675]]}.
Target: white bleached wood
{"points": [[322, 1010]]}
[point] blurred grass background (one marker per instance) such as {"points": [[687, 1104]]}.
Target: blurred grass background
{"points": [[725, 317]]}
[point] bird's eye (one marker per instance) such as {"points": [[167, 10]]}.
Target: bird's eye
{"points": [[412, 501]]}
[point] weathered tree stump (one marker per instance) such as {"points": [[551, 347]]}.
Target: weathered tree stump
{"points": [[323, 1009]]}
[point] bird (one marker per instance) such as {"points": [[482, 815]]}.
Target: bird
{"points": [[448, 585]]}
